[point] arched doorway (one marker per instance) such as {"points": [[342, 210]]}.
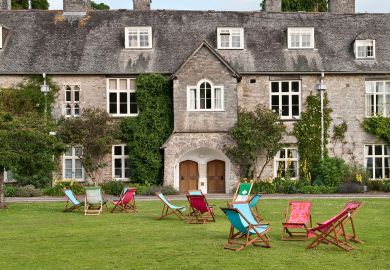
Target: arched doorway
{"points": [[216, 176], [188, 176]]}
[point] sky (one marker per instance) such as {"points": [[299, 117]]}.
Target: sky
{"points": [[382, 6]]}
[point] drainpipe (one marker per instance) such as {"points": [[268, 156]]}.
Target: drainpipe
{"points": [[322, 88]]}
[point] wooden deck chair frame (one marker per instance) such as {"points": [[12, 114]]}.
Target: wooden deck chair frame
{"points": [[196, 216], [341, 230], [327, 233], [129, 207], [93, 209], [167, 210], [76, 204], [295, 234], [241, 239], [238, 189]]}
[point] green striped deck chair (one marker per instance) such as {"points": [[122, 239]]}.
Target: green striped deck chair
{"points": [[93, 204]]}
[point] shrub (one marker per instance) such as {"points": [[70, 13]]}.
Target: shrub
{"points": [[317, 190], [331, 171], [350, 187], [386, 186], [151, 190], [57, 190], [357, 174], [28, 191], [379, 185], [287, 186], [262, 186], [113, 187], [9, 191]]}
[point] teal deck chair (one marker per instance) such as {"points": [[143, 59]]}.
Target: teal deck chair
{"points": [[71, 199], [244, 229], [169, 209], [253, 205]]}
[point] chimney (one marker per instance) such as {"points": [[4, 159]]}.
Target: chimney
{"points": [[272, 5], [141, 4], [76, 7], [341, 6], [5, 4]]}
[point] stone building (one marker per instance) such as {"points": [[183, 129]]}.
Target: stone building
{"points": [[218, 61]]}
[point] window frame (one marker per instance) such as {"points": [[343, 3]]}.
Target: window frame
{"points": [[300, 30], [277, 159], [385, 95], [118, 91], [123, 158], [139, 29], [1, 37], [230, 29], [373, 157], [72, 101], [213, 91], [73, 158], [289, 94], [6, 177], [357, 46]]}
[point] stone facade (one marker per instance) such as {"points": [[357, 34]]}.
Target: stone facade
{"points": [[272, 5], [5, 4], [72, 6], [342, 6], [141, 4]]}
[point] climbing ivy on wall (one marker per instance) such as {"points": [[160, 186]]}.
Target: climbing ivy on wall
{"points": [[308, 133], [147, 133], [379, 126]]}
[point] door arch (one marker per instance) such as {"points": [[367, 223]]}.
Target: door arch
{"points": [[188, 176], [216, 176]]}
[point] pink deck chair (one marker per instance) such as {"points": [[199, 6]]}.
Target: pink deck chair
{"points": [[200, 211], [126, 202], [297, 220]]}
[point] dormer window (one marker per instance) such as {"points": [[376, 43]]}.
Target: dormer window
{"points": [[365, 49], [230, 38], [300, 38], [138, 37]]}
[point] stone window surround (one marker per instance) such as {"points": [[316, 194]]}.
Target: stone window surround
{"points": [[122, 157], [365, 44], [128, 91], [300, 31], [197, 88], [286, 160], [73, 157], [230, 29], [73, 103], [139, 29], [290, 94], [372, 98], [374, 156]]}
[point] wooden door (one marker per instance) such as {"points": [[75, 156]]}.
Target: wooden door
{"points": [[216, 176], [189, 176]]}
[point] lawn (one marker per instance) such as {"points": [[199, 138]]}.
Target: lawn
{"points": [[40, 236]]}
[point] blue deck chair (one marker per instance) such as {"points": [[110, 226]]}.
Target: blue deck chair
{"points": [[169, 209], [71, 199], [253, 205], [245, 230]]}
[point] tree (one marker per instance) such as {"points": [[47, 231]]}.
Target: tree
{"points": [[147, 133], [303, 5], [95, 132], [101, 6], [255, 134], [27, 149], [35, 4]]}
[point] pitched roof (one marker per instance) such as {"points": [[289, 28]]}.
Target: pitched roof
{"points": [[45, 41]]}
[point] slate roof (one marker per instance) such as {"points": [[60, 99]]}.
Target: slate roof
{"points": [[45, 41]]}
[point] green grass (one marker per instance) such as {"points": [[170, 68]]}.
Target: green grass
{"points": [[40, 236]]}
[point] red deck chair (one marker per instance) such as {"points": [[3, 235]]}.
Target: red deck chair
{"points": [[200, 211], [328, 231], [126, 202], [353, 207], [297, 219]]}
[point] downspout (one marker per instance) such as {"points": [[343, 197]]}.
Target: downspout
{"points": [[322, 88]]}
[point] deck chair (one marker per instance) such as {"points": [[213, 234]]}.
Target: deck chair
{"points": [[126, 201], [353, 207], [169, 209], [253, 205], [244, 229], [200, 210], [297, 219], [93, 204], [328, 231], [71, 199], [243, 192]]}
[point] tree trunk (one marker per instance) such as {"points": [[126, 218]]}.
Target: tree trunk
{"points": [[2, 196]]}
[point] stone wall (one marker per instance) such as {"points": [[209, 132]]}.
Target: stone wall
{"points": [[76, 5], [342, 6]]}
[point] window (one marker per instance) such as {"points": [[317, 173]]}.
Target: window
{"points": [[205, 97], [286, 163], [72, 167], [72, 100], [230, 38], [122, 100], [378, 98], [286, 98], [365, 49], [120, 162], [138, 37], [300, 38], [8, 177], [377, 160]]}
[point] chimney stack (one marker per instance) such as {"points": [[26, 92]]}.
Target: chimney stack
{"points": [[342, 6], [5, 4], [141, 5], [76, 7], [272, 5]]}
